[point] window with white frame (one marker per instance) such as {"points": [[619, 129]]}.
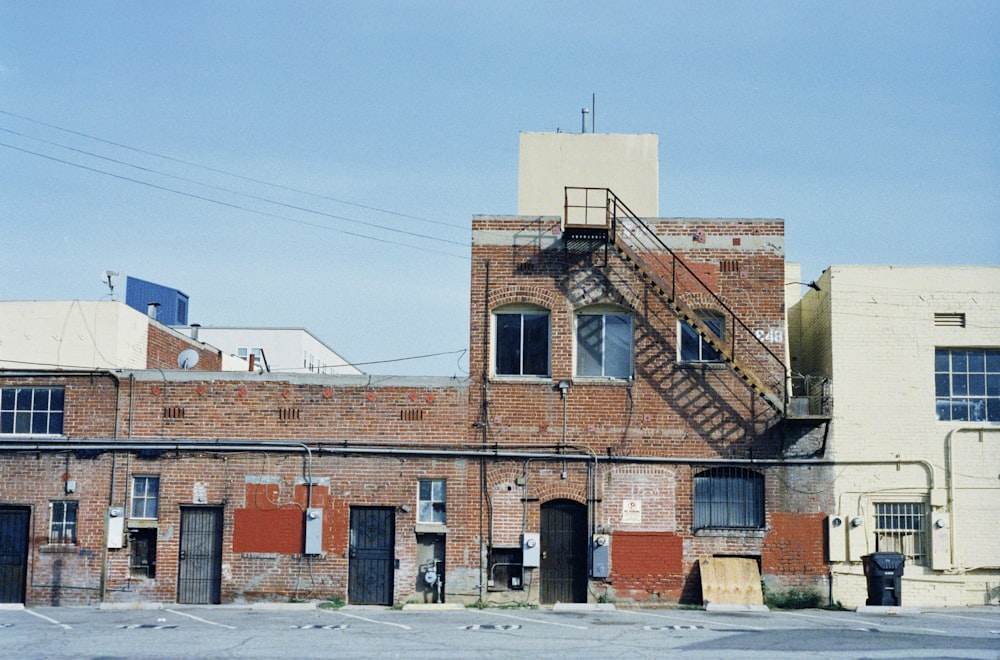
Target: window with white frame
{"points": [[31, 410], [62, 521], [967, 384], [900, 527], [729, 497], [693, 347], [603, 344], [145, 497], [431, 501], [521, 344]]}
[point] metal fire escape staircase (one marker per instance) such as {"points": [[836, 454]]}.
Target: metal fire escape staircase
{"points": [[598, 214]]}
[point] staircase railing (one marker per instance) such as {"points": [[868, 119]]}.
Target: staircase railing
{"points": [[590, 209]]}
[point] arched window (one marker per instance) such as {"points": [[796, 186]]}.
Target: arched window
{"points": [[521, 341], [694, 348], [729, 497], [603, 343]]}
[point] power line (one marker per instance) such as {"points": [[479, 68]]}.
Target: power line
{"points": [[234, 192], [226, 173], [227, 204]]}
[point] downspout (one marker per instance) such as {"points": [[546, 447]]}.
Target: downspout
{"points": [[484, 422], [111, 491]]}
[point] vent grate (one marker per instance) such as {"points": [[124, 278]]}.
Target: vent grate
{"points": [[173, 412], [411, 415], [289, 414], [949, 319]]}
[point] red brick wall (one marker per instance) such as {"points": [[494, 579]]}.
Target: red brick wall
{"points": [[163, 347], [647, 565], [794, 546]]}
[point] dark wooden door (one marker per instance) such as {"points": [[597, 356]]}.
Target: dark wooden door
{"points": [[372, 561], [14, 522], [564, 552], [199, 571]]}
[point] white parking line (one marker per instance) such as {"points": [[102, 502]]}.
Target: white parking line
{"points": [[704, 621], [198, 618], [42, 616], [959, 616], [855, 621], [355, 616], [547, 623]]}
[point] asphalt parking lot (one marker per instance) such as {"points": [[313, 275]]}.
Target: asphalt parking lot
{"points": [[304, 631]]}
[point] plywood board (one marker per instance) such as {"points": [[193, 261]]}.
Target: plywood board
{"points": [[730, 581]]}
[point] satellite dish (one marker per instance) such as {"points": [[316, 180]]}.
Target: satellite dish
{"points": [[188, 358]]}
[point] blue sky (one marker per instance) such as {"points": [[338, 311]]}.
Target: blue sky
{"points": [[269, 134]]}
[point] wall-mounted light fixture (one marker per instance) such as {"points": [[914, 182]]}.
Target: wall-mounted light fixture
{"points": [[564, 385]]}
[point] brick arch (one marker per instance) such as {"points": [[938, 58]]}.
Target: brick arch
{"points": [[701, 300], [523, 294], [550, 492], [502, 475]]}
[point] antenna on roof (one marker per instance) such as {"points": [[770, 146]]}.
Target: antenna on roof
{"points": [[111, 278], [583, 119]]}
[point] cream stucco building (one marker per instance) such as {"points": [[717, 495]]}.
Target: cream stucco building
{"points": [[911, 357]]}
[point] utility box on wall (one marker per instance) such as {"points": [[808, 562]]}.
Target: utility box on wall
{"points": [[601, 552], [836, 535], [114, 522], [531, 549], [314, 532]]}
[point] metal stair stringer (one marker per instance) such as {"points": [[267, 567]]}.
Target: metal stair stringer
{"points": [[774, 399]]}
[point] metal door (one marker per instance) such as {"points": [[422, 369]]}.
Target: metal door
{"points": [[199, 572], [564, 552], [373, 538], [14, 522]]}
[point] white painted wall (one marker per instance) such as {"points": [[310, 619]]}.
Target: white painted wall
{"points": [[871, 330], [627, 164], [286, 349], [77, 334]]}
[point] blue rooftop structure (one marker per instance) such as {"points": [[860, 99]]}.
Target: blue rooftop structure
{"points": [[172, 304]]}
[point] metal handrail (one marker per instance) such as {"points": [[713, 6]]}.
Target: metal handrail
{"points": [[645, 240]]}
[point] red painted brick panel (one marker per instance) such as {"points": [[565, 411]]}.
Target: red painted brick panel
{"points": [[795, 545]]}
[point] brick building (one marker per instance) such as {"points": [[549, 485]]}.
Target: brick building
{"points": [[626, 418]]}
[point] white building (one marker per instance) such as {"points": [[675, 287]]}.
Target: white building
{"points": [[275, 349], [912, 358], [90, 334]]}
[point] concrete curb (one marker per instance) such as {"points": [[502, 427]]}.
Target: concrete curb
{"points": [[583, 607], [433, 607], [11, 606], [130, 606], [886, 610], [730, 609]]}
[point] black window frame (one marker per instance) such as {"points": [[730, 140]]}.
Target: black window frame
{"points": [[32, 410], [729, 498]]}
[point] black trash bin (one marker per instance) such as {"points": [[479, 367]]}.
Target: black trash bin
{"points": [[884, 571]]}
